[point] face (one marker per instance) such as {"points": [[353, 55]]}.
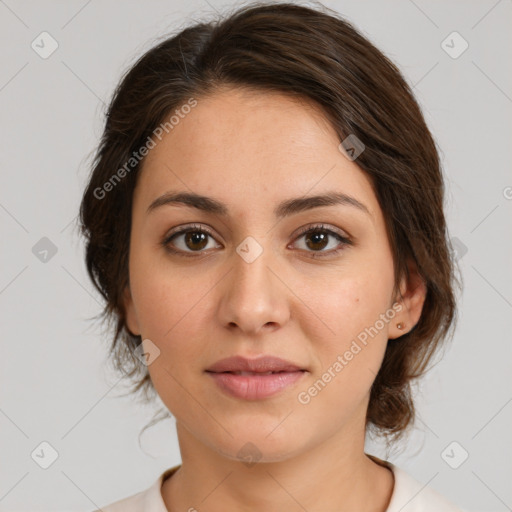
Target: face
{"points": [[261, 274]]}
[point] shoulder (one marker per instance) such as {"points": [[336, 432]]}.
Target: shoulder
{"points": [[134, 503], [149, 500], [409, 495]]}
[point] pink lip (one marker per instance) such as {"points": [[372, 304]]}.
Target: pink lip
{"points": [[255, 387], [260, 364]]}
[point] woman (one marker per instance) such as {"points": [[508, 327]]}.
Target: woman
{"points": [[265, 222]]}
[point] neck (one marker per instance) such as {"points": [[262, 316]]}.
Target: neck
{"points": [[333, 476]]}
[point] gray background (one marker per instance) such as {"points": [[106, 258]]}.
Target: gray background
{"points": [[56, 386]]}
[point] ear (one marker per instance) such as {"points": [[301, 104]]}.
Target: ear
{"points": [[132, 322], [413, 290]]}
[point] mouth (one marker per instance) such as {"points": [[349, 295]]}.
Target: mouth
{"points": [[257, 374], [262, 365], [247, 385], [255, 379]]}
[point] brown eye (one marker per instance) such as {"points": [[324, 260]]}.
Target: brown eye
{"points": [[317, 238], [188, 240], [196, 240]]}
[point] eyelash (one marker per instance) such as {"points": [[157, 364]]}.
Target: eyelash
{"points": [[344, 241]]}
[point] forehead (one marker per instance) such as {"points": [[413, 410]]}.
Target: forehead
{"points": [[236, 123], [239, 143]]}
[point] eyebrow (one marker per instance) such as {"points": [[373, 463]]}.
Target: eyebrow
{"points": [[284, 209]]}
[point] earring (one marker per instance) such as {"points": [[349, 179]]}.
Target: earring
{"points": [[400, 325]]}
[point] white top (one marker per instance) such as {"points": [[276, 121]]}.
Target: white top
{"points": [[409, 495]]}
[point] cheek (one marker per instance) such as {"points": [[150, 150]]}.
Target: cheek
{"points": [[348, 334], [170, 313], [346, 306], [349, 353], [168, 300]]}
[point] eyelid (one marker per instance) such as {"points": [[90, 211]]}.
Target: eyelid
{"points": [[189, 227], [344, 240], [325, 227], [301, 231], [343, 237]]}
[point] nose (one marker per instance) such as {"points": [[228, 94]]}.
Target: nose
{"points": [[254, 297]]}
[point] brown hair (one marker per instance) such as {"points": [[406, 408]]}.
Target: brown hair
{"points": [[306, 53]]}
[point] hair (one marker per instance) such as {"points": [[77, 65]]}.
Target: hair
{"points": [[305, 53]]}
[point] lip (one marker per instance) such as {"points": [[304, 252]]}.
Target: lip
{"points": [[255, 387], [260, 384], [260, 365]]}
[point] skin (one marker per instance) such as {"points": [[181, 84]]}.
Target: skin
{"points": [[234, 146]]}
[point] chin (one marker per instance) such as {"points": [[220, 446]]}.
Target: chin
{"points": [[258, 447]]}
